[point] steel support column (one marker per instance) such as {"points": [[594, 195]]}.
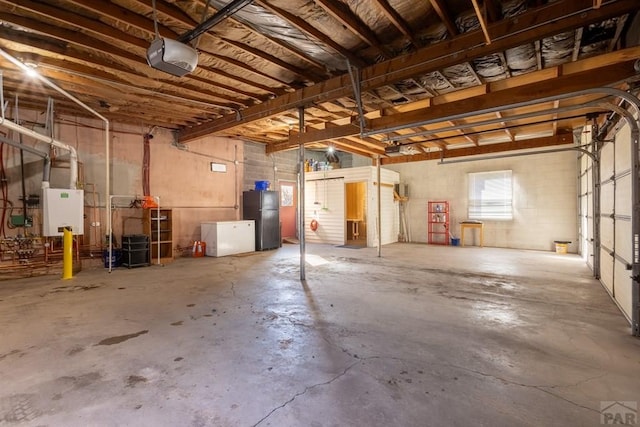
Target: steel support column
{"points": [[301, 229]]}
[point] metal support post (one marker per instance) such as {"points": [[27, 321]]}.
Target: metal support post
{"points": [[67, 254], [379, 220], [301, 228]]}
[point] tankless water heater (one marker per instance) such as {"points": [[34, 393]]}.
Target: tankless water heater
{"points": [[62, 208]]}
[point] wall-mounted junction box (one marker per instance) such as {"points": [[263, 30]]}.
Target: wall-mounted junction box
{"points": [[19, 221]]}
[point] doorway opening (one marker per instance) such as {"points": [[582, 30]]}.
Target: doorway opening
{"points": [[288, 211], [356, 208]]}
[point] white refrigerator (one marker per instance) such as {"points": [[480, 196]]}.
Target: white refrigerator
{"points": [[228, 237]]}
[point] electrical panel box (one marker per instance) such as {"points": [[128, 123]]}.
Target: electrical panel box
{"points": [[62, 208]]}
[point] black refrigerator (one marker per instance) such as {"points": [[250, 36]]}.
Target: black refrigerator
{"points": [[263, 207]]}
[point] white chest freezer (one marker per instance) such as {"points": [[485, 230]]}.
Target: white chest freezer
{"points": [[228, 237]]}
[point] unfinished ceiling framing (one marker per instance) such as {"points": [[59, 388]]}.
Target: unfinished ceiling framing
{"points": [[410, 67]]}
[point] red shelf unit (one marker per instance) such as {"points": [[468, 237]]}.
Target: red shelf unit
{"points": [[438, 221]]}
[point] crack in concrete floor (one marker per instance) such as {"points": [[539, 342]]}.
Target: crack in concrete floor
{"points": [[344, 372]]}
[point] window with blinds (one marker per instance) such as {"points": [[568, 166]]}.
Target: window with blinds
{"points": [[490, 195]]}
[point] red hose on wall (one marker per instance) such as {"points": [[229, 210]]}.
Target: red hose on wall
{"points": [[3, 192]]}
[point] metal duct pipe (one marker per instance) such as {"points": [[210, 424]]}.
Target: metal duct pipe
{"points": [[73, 159], [26, 148], [528, 153], [46, 174], [74, 156]]}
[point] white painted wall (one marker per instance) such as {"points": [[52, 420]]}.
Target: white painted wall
{"points": [[325, 202], [389, 210], [544, 198]]}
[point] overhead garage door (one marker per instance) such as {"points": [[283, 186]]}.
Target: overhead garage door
{"points": [[615, 217]]}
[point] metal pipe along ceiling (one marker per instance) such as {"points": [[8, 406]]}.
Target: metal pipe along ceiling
{"points": [[502, 119], [73, 156], [595, 91], [46, 173]]}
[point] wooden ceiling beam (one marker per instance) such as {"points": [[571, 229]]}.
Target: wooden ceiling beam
{"points": [[482, 20], [70, 36], [441, 10], [508, 131], [577, 43], [69, 18], [84, 87], [527, 27], [38, 43], [125, 16], [92, 44], [397, 20], [556, 104], [64, 106], [565, 83], [303, 56], [346, 17], [305, 27], [493, 11], [527, 144], [460, 132], [178, 15], [316, 135], [255, 71], [568, 78], [112, 75], [616, 37], [272, 59], [538, 49], [368, 142], [354, 147]]}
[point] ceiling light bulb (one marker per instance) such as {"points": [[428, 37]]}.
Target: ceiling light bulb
{"points": [[330, 149], [30, 69], [31, 72]]}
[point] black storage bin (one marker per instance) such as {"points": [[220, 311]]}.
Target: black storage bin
{"points": [[135, 250]]}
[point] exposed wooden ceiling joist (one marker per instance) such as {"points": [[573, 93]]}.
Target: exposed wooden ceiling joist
{"points": [[343, 14], [441, 10], [259, 65], [129, 60], [305, 27], [546, 83], [550, 141], [483, 21], [527, 27], [396, 20]]}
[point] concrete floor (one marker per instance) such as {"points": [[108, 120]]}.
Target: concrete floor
{"points": [[424, 336]]}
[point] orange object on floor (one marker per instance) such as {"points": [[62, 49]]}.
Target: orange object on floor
{"points": [[199, 248]]}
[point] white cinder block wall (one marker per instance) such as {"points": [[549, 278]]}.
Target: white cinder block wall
{"points": [[544, 199]]}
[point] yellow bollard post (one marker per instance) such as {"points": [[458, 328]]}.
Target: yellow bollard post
{"points": [[67, 254]]}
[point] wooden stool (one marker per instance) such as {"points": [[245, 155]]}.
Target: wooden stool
{"points": [[355, 228], [478, 225]]}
